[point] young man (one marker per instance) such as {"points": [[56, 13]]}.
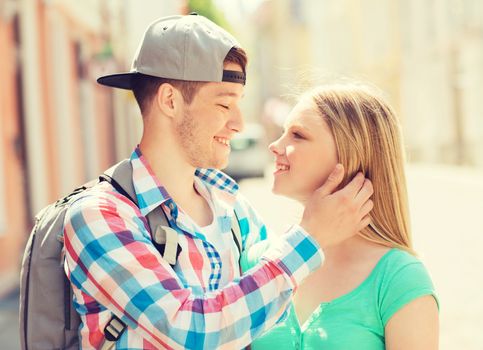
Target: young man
{"points": [[188, 77]]}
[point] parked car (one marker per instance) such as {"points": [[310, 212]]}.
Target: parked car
{"points": [[249, 153]]}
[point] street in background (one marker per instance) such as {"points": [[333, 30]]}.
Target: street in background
{"points": [[249, 153]]}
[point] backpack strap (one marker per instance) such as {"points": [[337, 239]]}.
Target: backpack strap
{"points": [[120, 177], [236, 232], [112, 332], [164, 238]]}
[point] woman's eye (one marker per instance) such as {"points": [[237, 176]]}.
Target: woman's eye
{"points": [[224, 106], [297, 135]]}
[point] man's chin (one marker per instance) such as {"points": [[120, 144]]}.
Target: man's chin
{"points": [[222, 166], [218, 165]]}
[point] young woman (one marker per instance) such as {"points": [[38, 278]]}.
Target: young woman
{"points": [[372, 292]]}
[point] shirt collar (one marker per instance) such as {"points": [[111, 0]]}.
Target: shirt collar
{"points": [[218, 179], [150, 193]]}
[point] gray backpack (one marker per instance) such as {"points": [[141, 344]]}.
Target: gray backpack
{"points": [[48, 319]]}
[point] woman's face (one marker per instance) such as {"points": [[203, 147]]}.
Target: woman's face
{"points": [[305, 154]]}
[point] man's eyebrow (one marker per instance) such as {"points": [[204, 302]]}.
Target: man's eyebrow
{"points": [[229, 94]]}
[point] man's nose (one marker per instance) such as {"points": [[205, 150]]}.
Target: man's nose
{"points": [[237, 123]]}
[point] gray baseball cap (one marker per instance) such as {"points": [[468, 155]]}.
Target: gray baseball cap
{"points": [[187, 47]]}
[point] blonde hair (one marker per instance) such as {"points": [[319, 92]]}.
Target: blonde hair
{"points": [[368, 139]]}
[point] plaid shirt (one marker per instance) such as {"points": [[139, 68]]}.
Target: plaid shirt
{"points": [[115, 269]]}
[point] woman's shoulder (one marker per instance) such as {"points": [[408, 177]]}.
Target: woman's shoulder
{"points": [[402, 278], [396, 258], [398, 266]]}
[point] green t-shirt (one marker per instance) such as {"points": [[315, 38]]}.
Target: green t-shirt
{"points": [[355, 320]]}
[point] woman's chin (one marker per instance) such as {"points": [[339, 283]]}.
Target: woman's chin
{"points": [[275, 190], [279, 191]]}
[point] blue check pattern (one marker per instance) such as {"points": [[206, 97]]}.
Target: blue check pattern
{"points": [[115, 269]]}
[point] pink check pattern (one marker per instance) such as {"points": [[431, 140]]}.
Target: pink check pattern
{"points": [[115, 269]]}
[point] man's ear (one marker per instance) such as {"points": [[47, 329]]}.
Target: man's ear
{"points": [[169, 100]]}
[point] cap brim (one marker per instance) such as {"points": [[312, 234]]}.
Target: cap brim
{"points": [[121, 80]]}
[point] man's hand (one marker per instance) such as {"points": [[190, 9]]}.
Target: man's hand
{"points": [[331, 217]]}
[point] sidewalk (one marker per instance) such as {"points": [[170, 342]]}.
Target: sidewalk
{"points": [[9, 330]]}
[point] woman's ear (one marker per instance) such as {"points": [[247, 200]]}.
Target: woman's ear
{"points": [[168, 100]]}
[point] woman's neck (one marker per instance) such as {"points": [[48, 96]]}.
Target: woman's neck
{"points": [[353, 250], [345, 249]]}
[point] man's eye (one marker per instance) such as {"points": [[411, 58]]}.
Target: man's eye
{"points": [[224, 106]]}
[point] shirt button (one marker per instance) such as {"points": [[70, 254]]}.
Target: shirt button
{"points": [[171, 206]]}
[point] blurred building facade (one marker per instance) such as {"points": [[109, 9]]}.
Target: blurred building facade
{"points": [[58, 127], [52, 112], [442, 80], [426, 55]]}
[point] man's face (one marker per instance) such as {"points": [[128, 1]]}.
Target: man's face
{"points": [[210, 121]]}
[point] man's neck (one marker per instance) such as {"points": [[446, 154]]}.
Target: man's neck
{"points": [[178, 178], [168, 162], [171, 170]]}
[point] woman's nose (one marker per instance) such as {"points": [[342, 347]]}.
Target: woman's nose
{"points": [[276, 147]]}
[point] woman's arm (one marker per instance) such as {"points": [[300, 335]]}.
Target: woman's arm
{"points": [[415, 326]]}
